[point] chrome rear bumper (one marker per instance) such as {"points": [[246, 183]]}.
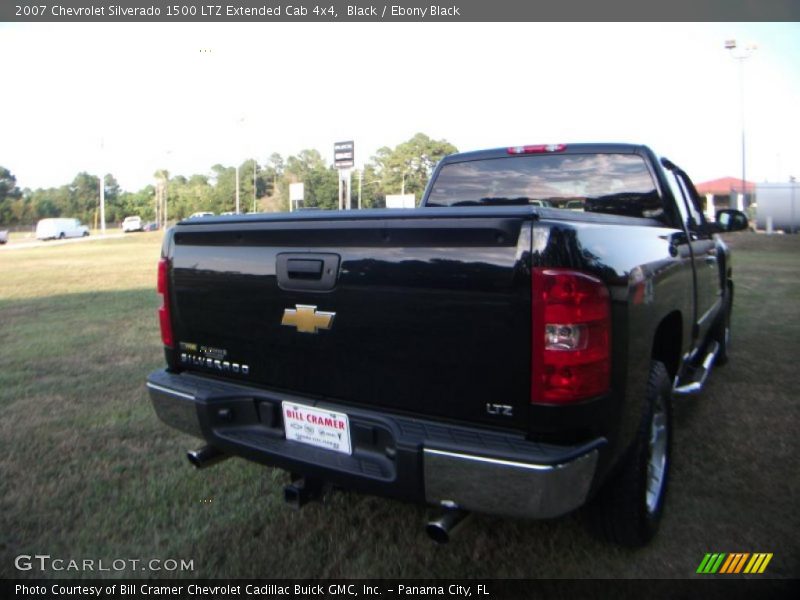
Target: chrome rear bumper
{"points": [[505, 487], [417, 460]]}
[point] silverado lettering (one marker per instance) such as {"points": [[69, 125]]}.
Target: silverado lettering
{"points": [[510, 347]]}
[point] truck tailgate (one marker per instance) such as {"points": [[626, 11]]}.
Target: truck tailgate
{"points": [[427, 316]]}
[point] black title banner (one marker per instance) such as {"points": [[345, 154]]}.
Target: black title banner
{"points": [[389, 589], [398, 11]]}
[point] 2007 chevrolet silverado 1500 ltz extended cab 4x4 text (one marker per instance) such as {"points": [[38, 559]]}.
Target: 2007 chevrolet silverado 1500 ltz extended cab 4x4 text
{"points": [[491, 351]]}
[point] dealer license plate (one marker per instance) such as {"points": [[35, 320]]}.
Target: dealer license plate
{"points": [[317, 427]]}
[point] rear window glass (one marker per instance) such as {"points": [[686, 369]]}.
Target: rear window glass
{"points": [[617, 184]]}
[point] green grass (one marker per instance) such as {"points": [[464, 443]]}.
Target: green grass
{"points": [[88, 471]]}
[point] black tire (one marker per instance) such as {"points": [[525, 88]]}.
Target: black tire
{"points": [[721, 332], [628, 509]]}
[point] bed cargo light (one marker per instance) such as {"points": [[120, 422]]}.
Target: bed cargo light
{"points": [[571, 336], [537, 149], [164, 313]]}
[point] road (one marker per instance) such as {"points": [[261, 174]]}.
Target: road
{"points": [[22, 245]]}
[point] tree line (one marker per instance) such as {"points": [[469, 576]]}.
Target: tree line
{"points": [[262, 187]]}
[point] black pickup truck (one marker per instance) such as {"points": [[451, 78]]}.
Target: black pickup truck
{"points": [[510, 347]]}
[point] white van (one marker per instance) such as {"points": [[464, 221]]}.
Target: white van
{"points": [[132, 224], [50, 229]]}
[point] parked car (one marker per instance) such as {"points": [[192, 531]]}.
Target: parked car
{"points": [[60, 228], [133, 223], [151, 226], [574, 205], [198, 215], [3, 236]]}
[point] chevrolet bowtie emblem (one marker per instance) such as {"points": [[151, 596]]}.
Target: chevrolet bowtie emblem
{"points": [[307, 319]]}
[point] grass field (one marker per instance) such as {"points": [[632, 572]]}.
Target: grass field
{"points": [[87, 470]]}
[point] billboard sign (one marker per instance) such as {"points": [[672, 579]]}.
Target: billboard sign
{"points": [[296, 191], [343, 155]]}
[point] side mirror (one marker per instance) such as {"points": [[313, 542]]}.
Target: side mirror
{"points": [[731, 220]]}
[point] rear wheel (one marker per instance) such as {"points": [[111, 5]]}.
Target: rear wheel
{"points": [[628, 509]]}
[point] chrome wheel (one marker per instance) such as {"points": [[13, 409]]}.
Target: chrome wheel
{"points": [[657, 452]]}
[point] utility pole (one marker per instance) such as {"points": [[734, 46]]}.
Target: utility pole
{"points": [[102, 190], [237, 189], [240, 143], [102, 204], [162, 181]]}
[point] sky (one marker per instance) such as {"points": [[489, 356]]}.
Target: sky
{"points": [[130, 98]]}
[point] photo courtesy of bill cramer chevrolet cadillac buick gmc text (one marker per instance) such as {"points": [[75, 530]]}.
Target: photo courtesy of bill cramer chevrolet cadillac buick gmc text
{"points": [[511, 347]]}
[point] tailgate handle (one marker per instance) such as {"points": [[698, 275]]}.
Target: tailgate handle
{"points": [[300, 268], [307, 271]]}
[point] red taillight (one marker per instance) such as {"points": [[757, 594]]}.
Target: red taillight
{"points": [[571, 357], [537, 149], [164, 317]]}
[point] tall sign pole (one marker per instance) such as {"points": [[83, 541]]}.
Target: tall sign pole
{"points": [[343, 160]]}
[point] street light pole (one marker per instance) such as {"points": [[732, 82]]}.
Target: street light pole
{"points": [[743, 54]]}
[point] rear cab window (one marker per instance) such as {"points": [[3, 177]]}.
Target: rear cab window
{"points": [[618, 184]]}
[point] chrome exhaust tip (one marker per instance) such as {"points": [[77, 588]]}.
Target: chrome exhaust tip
{"points": [[441, 528], [206, 456]]}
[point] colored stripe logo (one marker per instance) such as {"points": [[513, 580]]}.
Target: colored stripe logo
{"points": [[733, 563]]}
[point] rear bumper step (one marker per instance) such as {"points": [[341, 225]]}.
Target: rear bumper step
{"points": [[412, 459]]}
